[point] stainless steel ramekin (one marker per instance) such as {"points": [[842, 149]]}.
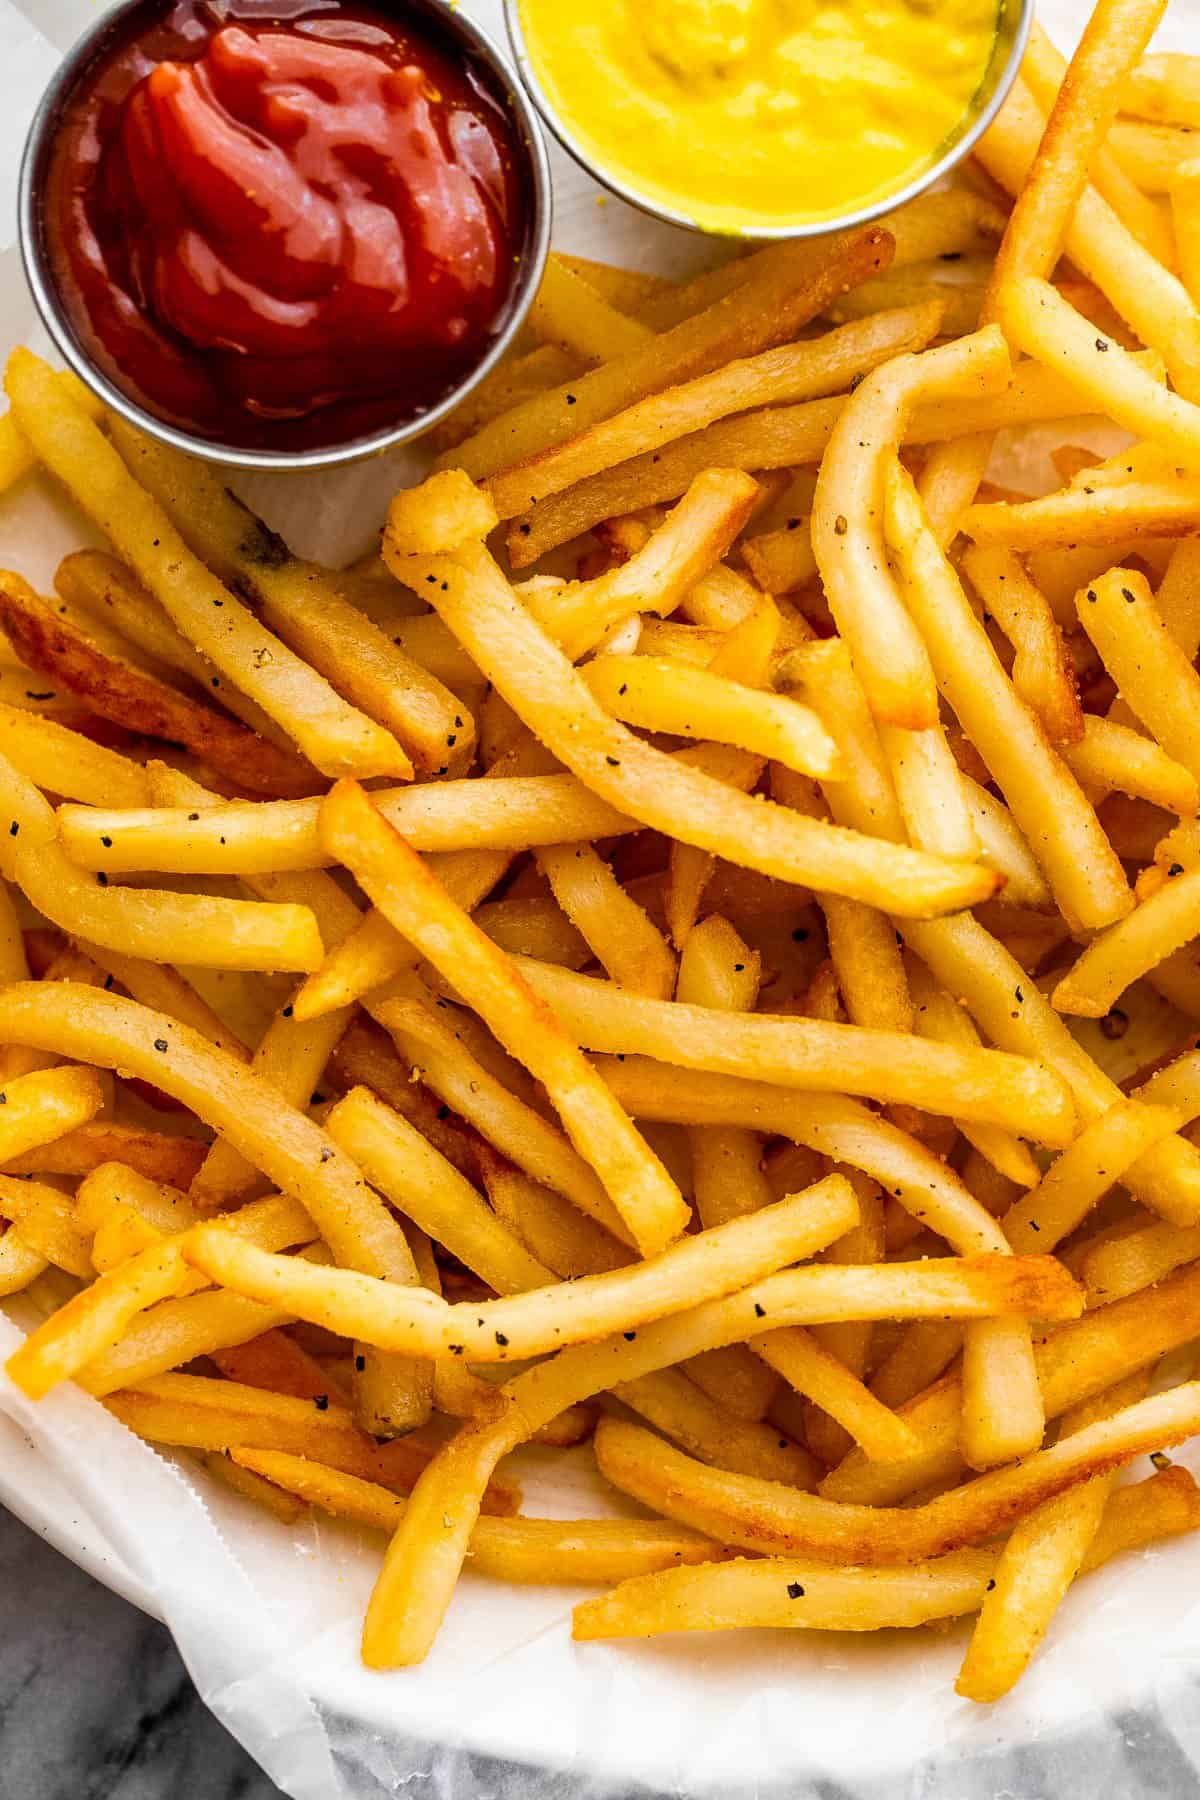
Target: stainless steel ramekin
{"points": [[447, 21], [1015, 20]]}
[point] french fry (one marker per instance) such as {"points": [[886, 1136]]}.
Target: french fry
{"points": [[813, 1371], [474, 598], [153, 1155], [937, 1015], [1125, 1265], [1073, 1364], [330, 733], [1012, 1011], [1083, 108], [281, 837], [197, 1413], [99, 1317], [501, 1117], [808, 370], [1150, 154], [771, 1519], [19, 1265], [101, 588], [839, 1128], [1042, 672], [248, 1486], [621, 935], [717, 969], [1063, 831], [529, 1324], [402, 887], [303, 604], [1164, 86], [430, 1191], [787, 286], [794, 1595], [424, 1558], [174, 1333], [17, 458], [1110, 755], [1036, 318], [568, 311], [658, 695], [777, 437], [680, 553], [1153, 672], [788, 1593], [158, 926], [45, 1222], [287, 1146], [44, 1106], [274, 1361], [1145, 294], [128, 696], [807, 1054], [565, 1240], [527, 1550], [1043, 68], [682, 1411], [1128, 950], [1037, 1566], [68, 763], [847, 521]]}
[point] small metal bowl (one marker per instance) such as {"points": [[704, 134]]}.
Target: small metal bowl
{"points": [[446, 21], [1015, 20]]}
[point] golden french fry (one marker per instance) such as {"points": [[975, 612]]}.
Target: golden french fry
{"points": [[766, 1517], [414, 1320], [1073, 1364], [807, 370], [475, 599], [1143, 292], [68, 763], [807, 1053], [786, 286], [116, 689], [1043, 68], [333, 735], [430, 1191], [553, 1551], [306, 607], [47, 1223], [659, 695], [847, 522], [1042, 672], [403, 888], [619, 932], [1051, 810], [281, 836], [779, 437], [794, 1595], [1164, 86], [1130, 949], [681, 1410]]}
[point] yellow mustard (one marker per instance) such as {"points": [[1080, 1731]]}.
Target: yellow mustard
{"points": [[748, 115]]}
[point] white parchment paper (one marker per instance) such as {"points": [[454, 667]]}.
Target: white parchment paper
{"points": [[506, 1707]]}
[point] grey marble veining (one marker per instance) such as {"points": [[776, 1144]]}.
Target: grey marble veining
{"points": [[95, 1703]]}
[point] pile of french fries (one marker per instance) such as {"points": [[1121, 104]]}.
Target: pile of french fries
{"points": [[688, 956]]}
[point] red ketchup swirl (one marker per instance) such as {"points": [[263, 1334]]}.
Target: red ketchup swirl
{"points": [[284, 233]]}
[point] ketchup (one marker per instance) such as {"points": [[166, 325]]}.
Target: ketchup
{"points": [[285, 224]]}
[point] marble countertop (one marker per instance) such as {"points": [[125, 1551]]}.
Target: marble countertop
{"points": [[95, 1703]]}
